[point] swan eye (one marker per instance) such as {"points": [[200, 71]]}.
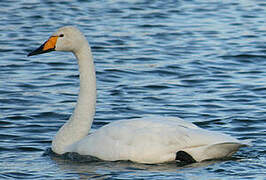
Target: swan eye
{"points": [[61, 35]]}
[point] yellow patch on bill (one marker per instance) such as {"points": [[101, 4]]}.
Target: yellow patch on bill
{"points": [[50, 44]]}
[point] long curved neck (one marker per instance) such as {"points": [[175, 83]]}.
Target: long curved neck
{"points": [[85, 107], [79, 124]]}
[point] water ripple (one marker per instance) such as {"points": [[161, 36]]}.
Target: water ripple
{"points": [[202, 61]]}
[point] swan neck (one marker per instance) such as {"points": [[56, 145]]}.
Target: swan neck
{"points": [[85, 107], [79, 124]]}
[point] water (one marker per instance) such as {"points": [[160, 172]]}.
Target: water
{"points": [[203, 61]]}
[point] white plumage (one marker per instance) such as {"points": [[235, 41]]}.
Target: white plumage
{"points": [[153, 141], [143, 140]]}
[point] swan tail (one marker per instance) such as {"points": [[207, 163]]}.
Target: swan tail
{"points": [[214, 151], [223, 150]]}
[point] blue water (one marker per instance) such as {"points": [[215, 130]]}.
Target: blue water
{"points": [[203, 61]]}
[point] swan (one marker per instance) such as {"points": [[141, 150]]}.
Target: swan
{"points": [[142, 140]]}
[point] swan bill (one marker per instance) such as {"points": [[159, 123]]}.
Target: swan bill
{"points": [[48, 46]]}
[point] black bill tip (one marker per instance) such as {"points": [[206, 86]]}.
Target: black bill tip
{"points": [[40, 51]]}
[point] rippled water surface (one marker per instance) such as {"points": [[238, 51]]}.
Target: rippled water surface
{"points": [[203, 61]]}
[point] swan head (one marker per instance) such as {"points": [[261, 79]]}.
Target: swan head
{"points": [[67, 38]]}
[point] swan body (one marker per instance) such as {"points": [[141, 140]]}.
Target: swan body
{"points": [[154, 140], [143, 140]]}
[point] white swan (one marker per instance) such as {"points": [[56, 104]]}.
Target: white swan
{"points": [[143, 140]]}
